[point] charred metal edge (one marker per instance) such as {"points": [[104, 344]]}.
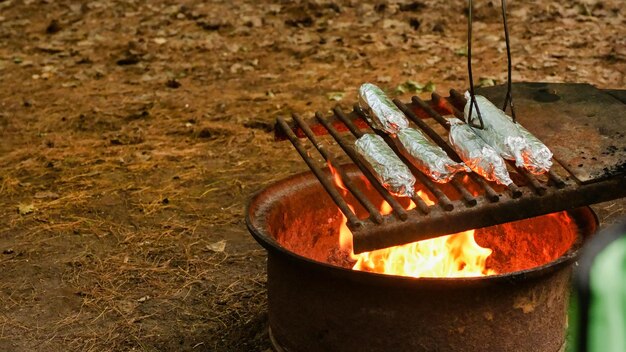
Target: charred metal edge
{"points": [[619, 94], [275, 345], [460, 219]]}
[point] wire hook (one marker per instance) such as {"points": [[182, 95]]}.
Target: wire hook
{"points": [[473, 103], [508, 100]]}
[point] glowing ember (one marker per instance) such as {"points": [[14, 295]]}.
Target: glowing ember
{"points": [[456, 255]]}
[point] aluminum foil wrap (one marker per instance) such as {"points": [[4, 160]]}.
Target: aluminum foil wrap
{"points": [[537, 157], [430, 158], [477, 154], [382, 113], [391, 171], [500, 131], [510, 139]]}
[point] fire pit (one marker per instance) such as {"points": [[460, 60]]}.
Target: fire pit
{"points": [[318, 302]]}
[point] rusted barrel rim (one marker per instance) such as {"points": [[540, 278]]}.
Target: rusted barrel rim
{"points": [[261, 202]]}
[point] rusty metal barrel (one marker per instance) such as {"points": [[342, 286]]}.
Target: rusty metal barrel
{"points": [[315, 306]]}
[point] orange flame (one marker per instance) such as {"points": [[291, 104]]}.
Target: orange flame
{"points": [[456, 255], [337, 178], [345, 235]]}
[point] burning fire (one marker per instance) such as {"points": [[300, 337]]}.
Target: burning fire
{"points": [[456, 255]]}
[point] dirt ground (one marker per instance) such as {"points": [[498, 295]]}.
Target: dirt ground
{"points": [[132, 133]]}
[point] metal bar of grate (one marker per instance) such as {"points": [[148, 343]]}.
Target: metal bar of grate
{"points": [[457, 98], [353, 220], [346, 121], [468, 197], [371, 209], [397, 208], [537, 186], [357, 133], [556, 179]]}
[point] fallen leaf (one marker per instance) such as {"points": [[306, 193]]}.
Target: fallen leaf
{"points": [[143, 299], [217, 246], [461, 51], [486, 82], [336, 96], [24, 209], [415, 87]]}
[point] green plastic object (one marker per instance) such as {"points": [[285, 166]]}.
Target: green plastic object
{"points": [[608, 303], [598, 312]]}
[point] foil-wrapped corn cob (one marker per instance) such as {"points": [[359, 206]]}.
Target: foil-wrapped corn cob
{"points": [[391, 171], [537, 157], [511, 140], [430, 158], [477, 154], [500, 131], [380, 110]]}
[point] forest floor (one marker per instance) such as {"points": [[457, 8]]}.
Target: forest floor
{"points": [[132, 132]]}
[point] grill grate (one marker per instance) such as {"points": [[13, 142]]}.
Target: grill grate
{"points": [[528, 196]]}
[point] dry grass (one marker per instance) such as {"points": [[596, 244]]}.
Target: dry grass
{"points": [[132, 182]]}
